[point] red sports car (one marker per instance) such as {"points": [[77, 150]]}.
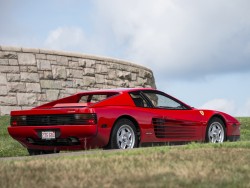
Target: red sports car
{"points": [[119, 119]]}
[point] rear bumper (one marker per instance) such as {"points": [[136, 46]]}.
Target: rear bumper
{"points": [[68, 137]]}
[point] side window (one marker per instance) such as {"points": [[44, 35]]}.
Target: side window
{"points": [[138, 100], [162, 101]]}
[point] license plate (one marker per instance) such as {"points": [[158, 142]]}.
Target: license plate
{"points": [[48, 135]]}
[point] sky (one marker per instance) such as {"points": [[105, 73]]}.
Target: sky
{"points": [[199, 50]]}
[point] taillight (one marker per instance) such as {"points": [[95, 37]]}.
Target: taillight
{"points": [[18, 120], [88, 119]]}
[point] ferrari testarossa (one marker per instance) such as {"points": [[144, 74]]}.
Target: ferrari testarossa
{"points": [[117, 119]]}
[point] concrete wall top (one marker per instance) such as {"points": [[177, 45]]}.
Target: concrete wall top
{"points": [[69, 54]]}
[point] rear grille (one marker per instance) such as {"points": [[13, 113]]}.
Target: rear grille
{"points": [[57, 142], [57, 119]]}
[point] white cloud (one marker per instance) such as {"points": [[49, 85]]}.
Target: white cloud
{"points": [[228, 106], [65, 38], [222, 105], [181, 39]]}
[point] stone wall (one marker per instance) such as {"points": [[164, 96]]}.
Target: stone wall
{"points": [[31, 77]]}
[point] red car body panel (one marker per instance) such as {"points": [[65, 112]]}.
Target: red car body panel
{"points": [[178, 124]]}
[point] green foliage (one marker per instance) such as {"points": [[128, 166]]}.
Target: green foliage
{"points": [[245, 128], [8, 146], [190, 165]]}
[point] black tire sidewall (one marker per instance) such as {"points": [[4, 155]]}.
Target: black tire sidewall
{"points": [[118, 124]]}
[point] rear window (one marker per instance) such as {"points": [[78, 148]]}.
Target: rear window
{"points": [[94, 98]]}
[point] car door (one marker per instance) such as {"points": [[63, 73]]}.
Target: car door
{"points": [[173, 120]]}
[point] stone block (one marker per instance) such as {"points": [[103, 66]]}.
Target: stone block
{"points": [[112, 74], [89, 63], [51, 57], [5, 110], [133, 76], [32, 68], [68, 91], [47, 75], [7, 101], [101, 68], [8, 55], [33, 87], [26, 107], [72, 73], [26, 59], [4, 61], [16, 87], [13, 62], [110, 82], [41, 97], [124, 75], [52, 94], [29, 77], [51, 84], [74, 64], [23, 69], [149, 75], [3, 90], [43, 64], [141, 81], [100, 79], [61, 60], [89, 72], [78, 83], [145, 74], [59, 72], [122, 83], [131, 84], [82, 63], [9, 69], [67, 84], [13, 77], [88, 81], [3, 80], [26, 99], [41, 56]]}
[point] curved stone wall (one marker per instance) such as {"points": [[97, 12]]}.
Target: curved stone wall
{"points": [[31, 77]]}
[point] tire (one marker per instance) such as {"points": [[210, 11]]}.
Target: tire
{"points": [[124, 135], [216, 132], [41, 152]]}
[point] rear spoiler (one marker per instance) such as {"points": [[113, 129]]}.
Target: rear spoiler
{"points": [[71, 105]]}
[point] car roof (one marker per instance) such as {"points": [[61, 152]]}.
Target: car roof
{"points": [[114, 90]]}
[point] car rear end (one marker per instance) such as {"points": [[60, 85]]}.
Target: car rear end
{"points": [[54, 129]]}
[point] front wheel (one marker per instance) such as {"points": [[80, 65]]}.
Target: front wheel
{"points": [[216, 131], [124, 135]]}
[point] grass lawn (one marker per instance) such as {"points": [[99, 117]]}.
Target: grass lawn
{"points": [[192, 165]]}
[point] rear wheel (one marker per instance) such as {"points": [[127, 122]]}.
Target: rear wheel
{"points": [[124, 135], [41, 152], [216, 131]]}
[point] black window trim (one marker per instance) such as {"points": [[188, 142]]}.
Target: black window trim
{"points": [[186, 107]]}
